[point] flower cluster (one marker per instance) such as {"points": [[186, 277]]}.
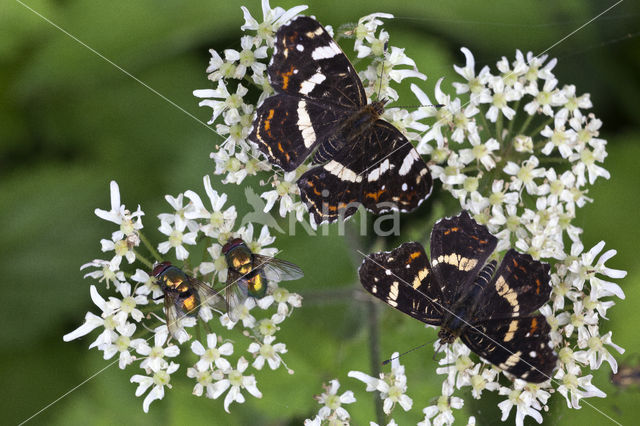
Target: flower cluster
{"points": [[126, 316]]}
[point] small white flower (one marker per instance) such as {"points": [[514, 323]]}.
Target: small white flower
{"points": [[575, 387], [108, 320], [219, 221], [392, 386], [129, 223], [332, 402], [154, 356], [159, 380], [212, 354], [272, 19], [128, 304], [108, 272], [177, 237], [267, 351], [122, 343], [236, 381]]}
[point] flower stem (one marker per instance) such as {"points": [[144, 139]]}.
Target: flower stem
{"points": [[143, 259], [149, 247], [374, 350]]}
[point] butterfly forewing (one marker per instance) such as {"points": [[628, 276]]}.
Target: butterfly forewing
{"points": [[402, 279], [285, 132], [307, 62], [519, 346], [459, 250]]}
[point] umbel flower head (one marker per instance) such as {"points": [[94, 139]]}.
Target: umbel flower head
{"points": [[134, 305]]}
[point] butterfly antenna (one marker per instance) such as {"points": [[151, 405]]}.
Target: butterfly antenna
{"points": [[387, 361]]}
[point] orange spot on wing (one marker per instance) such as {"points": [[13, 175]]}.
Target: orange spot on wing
{"points": [[534, 325], [538, 285], [285, 77], [375, 195], [450, 230]]}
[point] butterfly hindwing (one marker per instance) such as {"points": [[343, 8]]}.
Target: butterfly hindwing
{"points": [[308, 63], [518, 288], [459, 250], [519, 345], [402, 279], [382, 171]]}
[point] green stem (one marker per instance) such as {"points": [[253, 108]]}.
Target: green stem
{"points": [[540, 127], [485, 124], [513, 122], [143, 259], [149, 247], [526, 124], [499, 124], [374, 350]]}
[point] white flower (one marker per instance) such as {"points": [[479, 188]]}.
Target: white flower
{"points": [[272, 19], [122, 343], [332, 402], [108, 272], [242, 313], [267, 351], [212, 354], [108, 320], [526, 398], [219, 265], [128, 303], [596, 353], [500, 99], [154, 356], [219, 221], [220, 100], [149, 285], [584, 269], [481, 152], [258, 246], [441, 413], [246, 58], [392, 386], [122, 249], [177, 237], [205, 380], [129, 223], [475, 85], [525, 174], [574, 387], [236, 381], [159, 380], [286, 300], [285, 190]]}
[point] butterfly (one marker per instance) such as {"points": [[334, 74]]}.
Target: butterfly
{"points": [[491, 310], [320, 109]]}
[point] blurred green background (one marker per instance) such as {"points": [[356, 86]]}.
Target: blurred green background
{"points": [[70, 122]]}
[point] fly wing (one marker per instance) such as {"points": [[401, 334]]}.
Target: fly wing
{"points": [[173, 314], [277, 269], [236, 292]]}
